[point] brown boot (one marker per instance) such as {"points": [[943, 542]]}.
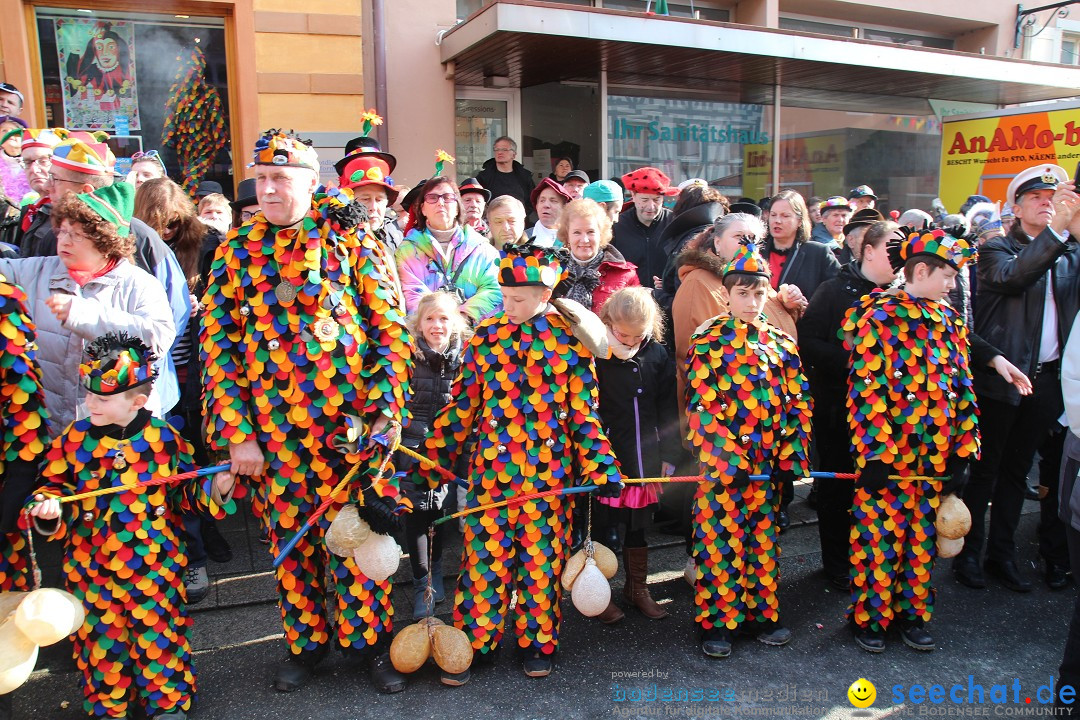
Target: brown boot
{"points": [[636, 590], [611, 615]]}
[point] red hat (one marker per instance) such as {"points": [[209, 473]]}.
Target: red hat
{"points": [[369, 169], [649, 180], [549, 183]]}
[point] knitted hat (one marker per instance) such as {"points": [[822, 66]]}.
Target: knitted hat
{"points": [[363, 169], [531, 265], [276, 147], [747, 261], [549, 183], [43, 137], [907, 243], [603, 191], [118, 362], [115, 203], [84, 153], [472, 185], [649, 180]]}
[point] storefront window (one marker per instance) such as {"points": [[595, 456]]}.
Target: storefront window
{"points": [[477, 123], [830, 143], [560, 120], [113, 71], [726, 143]]}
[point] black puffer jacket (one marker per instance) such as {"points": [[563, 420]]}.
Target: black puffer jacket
{"points": [[683, 228], [1012, 276], [433, 375], [638, 410]]}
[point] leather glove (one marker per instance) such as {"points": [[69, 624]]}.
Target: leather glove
{"points": [[874, 477], [380, 514], [959, 470], [610, 489], [739, 481], [18, 486]]}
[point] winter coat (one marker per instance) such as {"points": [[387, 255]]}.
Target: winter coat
{"points": [[698, 300], [124, 299], [640, 244], [432, 377], [1009, 309], [615, 274], [516, 183], [684, 227], [639, 414], [473, 270], [809, 264]]}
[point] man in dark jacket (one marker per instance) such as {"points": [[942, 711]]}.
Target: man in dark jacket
{"points": [[1029, 294], [639, 230], [504, 175]]}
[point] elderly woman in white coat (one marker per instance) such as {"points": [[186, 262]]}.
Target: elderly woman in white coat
{"points": [[88, 289]]}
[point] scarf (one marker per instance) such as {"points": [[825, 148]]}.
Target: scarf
{"points": [[81, 277], [582, 279], [32, 212], [623, 352]]}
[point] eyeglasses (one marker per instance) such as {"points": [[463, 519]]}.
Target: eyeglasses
{"points": [[53, 178], [44, 162], [445, 198], [246, 215], [504, 149]]}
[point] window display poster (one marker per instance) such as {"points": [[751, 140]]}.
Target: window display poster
{"points": [[97, 63]]}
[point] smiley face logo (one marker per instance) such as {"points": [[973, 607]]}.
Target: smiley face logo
{"points": [[862, 693]]}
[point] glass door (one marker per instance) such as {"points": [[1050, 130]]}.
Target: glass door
{"points": [[481, 115]]}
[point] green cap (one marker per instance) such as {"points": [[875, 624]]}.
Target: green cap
{"points": [[115, 203]]}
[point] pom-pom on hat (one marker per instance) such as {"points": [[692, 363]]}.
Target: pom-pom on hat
{"points": [[284, 149], [368, 169], [649, 180], [114, 203], [907, 243], [83, 153], [117, 362], [532, 265], [747, 261], [43, 137]]}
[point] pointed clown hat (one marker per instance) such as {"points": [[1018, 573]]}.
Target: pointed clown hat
{"points": [[532, 265], [284, 149], [86, 153], [954, 248], [117, 362], [43, 137], [747, 261]]}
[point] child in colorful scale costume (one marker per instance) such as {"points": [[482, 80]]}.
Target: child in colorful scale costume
{"points": [[749, 413], [123, 555], [912, 412], [527, 391], [306, 358]]}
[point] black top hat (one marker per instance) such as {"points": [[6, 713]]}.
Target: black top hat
{"points": [[245, 195], [368, 146]]}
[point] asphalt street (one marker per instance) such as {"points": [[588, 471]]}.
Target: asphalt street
{"points": [[638, 668]]}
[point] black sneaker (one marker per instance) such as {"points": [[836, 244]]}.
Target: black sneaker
{"points": [[917, 637], [869, 640], [384, 676], [774, 634], [537, 664], [716, 642]]}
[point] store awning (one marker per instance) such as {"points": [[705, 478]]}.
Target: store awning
{"points": [[532, 42]]}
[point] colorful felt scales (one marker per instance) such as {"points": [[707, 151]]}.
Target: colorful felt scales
{"points": [[194, 120]]}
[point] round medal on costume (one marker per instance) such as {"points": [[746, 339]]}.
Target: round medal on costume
{"points": [[285, 292]]}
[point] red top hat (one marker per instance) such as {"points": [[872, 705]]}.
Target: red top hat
{"points": [[649, 180], [369, 169]]}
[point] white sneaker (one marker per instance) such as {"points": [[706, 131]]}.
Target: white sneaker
{"points": [[197, 584]]}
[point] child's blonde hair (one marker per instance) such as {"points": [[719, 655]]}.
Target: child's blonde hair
{"points": [[459, 325], [635, 306]]}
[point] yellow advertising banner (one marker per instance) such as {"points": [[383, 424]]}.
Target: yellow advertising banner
{"points": [[980, 157], [812, 165]]}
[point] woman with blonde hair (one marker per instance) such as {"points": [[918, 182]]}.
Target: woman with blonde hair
{"points": [[795, 259], [596, 270]]}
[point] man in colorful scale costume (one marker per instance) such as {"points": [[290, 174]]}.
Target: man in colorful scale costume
{"points": [[123, 555], [749, 407], [306, 359], [527, 392], [911, 408]]}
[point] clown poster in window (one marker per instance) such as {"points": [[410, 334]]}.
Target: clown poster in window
{"points": [[97, 62]]}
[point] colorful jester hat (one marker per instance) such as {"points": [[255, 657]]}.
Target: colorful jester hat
{"points": [[118, 362], [906, 243], [747, 261], [284, 149], [532, 265]]}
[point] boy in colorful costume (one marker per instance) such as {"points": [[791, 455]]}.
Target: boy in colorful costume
{"points": [[911, 410], [749, 406], [307, 360], [527, 391], [123, 555]]}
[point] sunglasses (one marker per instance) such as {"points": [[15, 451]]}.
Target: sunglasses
{"points": [[153, 155]]}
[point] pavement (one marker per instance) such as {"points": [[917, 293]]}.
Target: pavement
{"points": [[637, 668]]}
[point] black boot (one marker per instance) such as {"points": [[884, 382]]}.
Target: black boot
{"points": [[7, 711], [384, 676], [869, 640], [295, 670], [916, 636]]}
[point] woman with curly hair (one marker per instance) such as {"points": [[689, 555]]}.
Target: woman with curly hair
{"points": [[89, 288], [596, 269]]}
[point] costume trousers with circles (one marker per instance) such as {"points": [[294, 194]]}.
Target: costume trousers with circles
{"points": [[14, 563], [509, 549], [735, 550], [892, 553]]}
